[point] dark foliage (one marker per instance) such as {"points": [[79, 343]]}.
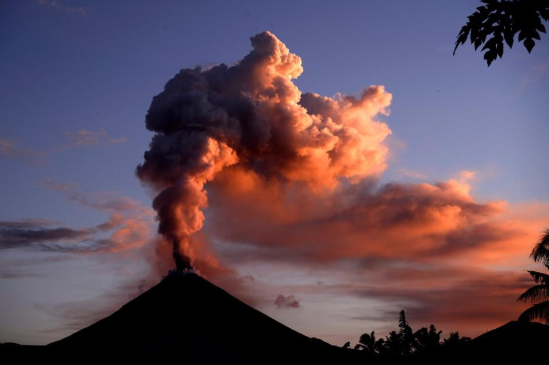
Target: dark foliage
{"points": [[498, 22], [405, 342], [540, 253], [427, 340], [455, 340], [540, 291]]}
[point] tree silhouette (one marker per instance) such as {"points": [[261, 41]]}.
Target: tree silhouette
{"points": [[427, 340], [499, 21], [405, 342], [368, 343], [393, 344], [540, 291], [424, 343], [454, 341], [407, 335]]}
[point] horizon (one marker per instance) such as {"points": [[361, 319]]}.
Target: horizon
{"points": [[376, 172]]}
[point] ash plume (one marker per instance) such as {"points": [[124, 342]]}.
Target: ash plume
{"points": [[251, 123]]}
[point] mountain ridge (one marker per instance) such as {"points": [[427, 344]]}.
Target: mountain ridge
{"points": [[186, 312]]}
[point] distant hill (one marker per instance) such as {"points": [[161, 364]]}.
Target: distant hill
{"points": [[519, 341]]}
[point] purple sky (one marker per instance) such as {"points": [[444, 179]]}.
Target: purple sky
{"points": [[79, 76]]}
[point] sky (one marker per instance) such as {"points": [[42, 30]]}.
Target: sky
{"points": [[437, 219]]}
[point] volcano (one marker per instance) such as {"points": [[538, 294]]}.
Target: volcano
{"points": [[185, 317]]}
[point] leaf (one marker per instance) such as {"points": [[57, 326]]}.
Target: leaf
{"points": [[539, 278], [490, 45], [489, 56], [540, 253], [529, 44], [544, 14], [462, 37], [537, 311], [499, 47], [535, 294], [509, 37]]}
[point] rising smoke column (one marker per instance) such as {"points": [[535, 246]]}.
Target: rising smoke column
{"points": [[251, 119]]}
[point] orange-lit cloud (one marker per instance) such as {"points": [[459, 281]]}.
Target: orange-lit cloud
{"points": [[420, 221], [9, 149], [252, 119], [247, 168]]}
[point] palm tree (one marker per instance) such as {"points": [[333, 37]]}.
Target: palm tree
{"points": [[398, 343], [407, 335], [427, 340], [368, 343], [393, 344], [540, 291]]}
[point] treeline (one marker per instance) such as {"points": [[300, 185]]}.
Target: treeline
{"points": [[406, 342]]}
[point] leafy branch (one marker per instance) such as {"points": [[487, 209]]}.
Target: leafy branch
{"points": [[497, 22]]}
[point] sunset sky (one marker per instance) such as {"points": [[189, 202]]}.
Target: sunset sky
{"points": [[362, 170]]}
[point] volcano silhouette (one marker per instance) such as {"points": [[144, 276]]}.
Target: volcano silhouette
{"points": [[187, 317]]}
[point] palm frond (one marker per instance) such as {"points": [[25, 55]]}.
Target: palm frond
{"points": [[540, 253], [538, 311], [535, 294], [539, 277]]}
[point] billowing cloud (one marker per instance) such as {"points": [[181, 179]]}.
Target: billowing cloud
{"points": [[282, 301], [250, 125], [439, 221], [248, 169]]}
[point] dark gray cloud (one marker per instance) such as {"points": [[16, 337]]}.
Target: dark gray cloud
{"points": [[282, 301], [18, 234], [14, 275], [127, 226]]}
